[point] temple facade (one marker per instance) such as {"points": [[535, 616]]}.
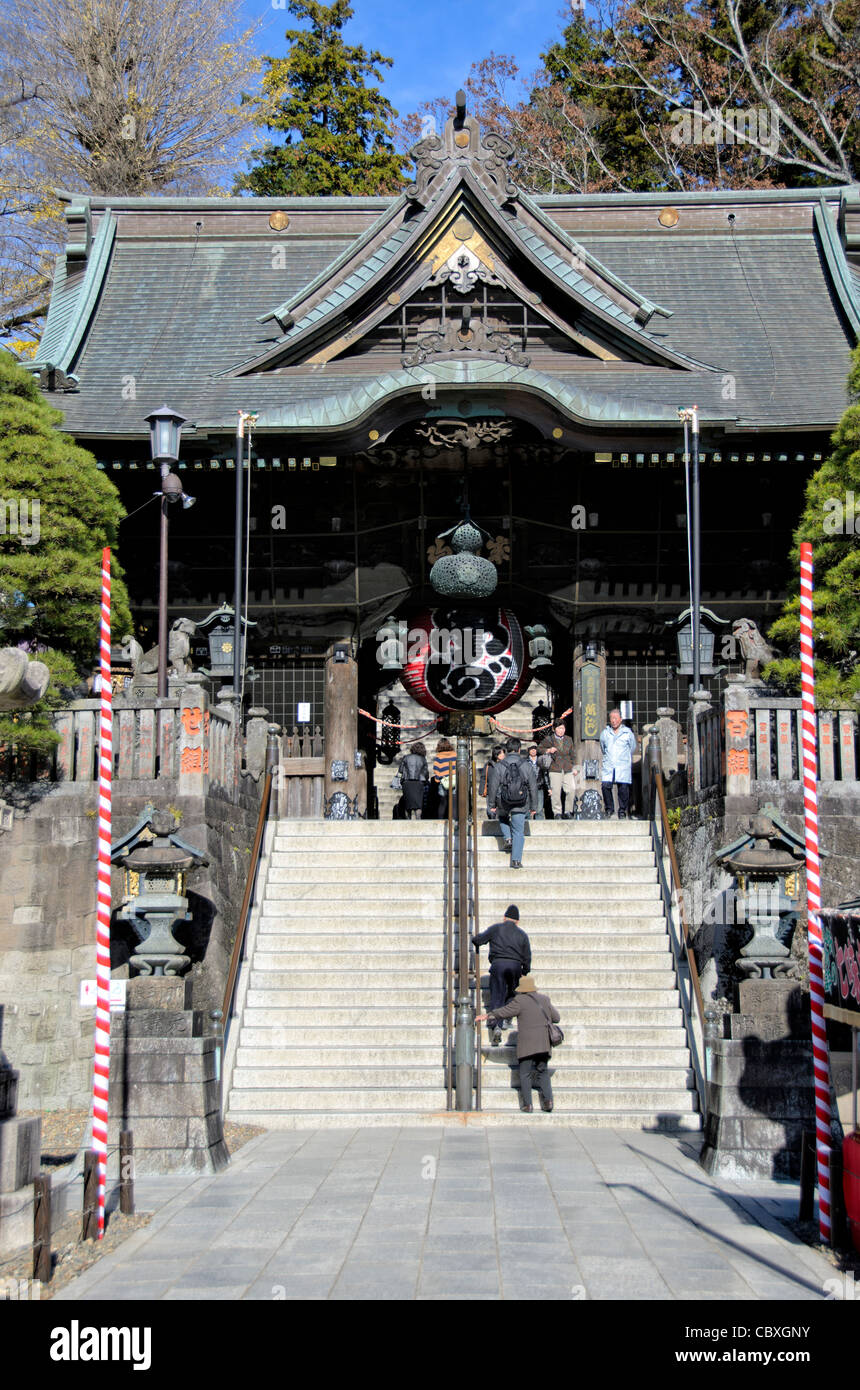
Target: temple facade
{"points": [[462, 350]]}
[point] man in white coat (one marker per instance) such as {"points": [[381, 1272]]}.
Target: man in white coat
{"points": [[617, 744]]}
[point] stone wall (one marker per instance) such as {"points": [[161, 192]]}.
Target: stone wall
{"points": [[48, 920]]}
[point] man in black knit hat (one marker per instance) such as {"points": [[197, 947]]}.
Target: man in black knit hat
{"points": [[510, 958]]}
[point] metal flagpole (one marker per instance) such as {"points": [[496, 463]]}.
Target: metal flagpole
{"points": [[101, 1060], [820, 1058]]}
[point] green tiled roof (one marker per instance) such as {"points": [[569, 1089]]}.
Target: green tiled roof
{"points": [[73, 301], [773, 308]]}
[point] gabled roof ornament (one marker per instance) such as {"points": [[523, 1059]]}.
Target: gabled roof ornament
{"points": [[462, 146]]}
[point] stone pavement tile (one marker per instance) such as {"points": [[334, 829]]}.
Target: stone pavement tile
{"points": [[439, 1225], [457, 1284], [456, 1257], [616, 1277], [207, 1294]]}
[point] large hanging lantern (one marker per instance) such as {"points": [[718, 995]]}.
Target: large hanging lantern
{"points": [[469, 659]]}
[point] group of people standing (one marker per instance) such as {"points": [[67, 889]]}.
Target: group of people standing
{"points": [[518, 784], [425, 792]]}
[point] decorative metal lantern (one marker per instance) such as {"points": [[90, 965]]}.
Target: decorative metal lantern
{"points": [[165, 428], [220, 627], [708, 624]]}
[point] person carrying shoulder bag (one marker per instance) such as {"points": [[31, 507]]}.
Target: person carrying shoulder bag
{"points": [[535, 1014]]}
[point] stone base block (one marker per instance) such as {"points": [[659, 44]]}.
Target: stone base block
{"points": [[16, 1220], [20, 1152], [761, 1098], [164, 1089]]}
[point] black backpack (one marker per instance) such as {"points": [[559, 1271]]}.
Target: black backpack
{"points": [[513, 788]]}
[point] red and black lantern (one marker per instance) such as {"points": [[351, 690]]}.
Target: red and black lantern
{"points": [[466, 659]]}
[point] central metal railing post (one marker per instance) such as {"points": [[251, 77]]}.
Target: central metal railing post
{"points": [[476, 919], [464, 1033]]}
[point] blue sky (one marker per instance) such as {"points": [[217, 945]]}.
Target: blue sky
{"points": [[433, 45]]}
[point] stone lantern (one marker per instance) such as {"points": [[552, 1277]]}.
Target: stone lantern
{"points": [[765, 863], [156, 862]]}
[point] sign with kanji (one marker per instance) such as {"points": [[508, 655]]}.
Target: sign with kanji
{"points": [[590, 700]]}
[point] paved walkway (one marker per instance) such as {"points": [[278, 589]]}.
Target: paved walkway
{"points": [[507, 1213]]}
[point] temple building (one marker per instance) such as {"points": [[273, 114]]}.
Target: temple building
{"points": [[462, 351]]}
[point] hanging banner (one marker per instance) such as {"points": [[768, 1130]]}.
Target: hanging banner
{"points": [[840, 933]]}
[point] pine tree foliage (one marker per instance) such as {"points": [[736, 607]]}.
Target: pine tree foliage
{"points": [[50, 586], [337, 128], [831, 510]]}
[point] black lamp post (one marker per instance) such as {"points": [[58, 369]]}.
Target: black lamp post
{"points": [[690, 418], [165, 428]]}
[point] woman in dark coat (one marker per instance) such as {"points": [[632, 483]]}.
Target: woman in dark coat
{"points": [[413, 775], [533, 1012]]}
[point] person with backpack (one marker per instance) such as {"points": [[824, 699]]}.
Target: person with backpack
{"points": [[534, 1013], [512, 793]]}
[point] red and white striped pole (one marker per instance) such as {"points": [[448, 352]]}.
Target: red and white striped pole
{"points": [[101, 1061], [820, 1058]]}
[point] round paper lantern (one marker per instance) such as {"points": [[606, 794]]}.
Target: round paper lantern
{"points": [[469, 660]]}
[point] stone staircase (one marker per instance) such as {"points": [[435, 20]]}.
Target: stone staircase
{"points": [[343, 1015], [589, 900]]}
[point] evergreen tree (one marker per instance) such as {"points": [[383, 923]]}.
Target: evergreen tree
{"points": [[57, 512], [828, 522], [338, 129]]}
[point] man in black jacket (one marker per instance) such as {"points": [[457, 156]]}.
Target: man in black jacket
{"points": [[510, 958]]}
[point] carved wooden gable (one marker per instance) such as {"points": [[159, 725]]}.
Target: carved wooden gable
{"points": [[463, 264]]}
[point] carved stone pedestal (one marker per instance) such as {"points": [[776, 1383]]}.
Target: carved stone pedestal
{"points": [[164, 1081]]}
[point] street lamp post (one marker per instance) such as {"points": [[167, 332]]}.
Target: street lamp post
{"points": [[690, 418], [165, 428]]}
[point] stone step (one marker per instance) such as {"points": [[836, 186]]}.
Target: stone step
{"points": [[392, 1098], [390, 920], [399, 982], [422, 1010], [604, 1042], [366, 852], [633, 1120], [373, 1053], [496, 1075], [298, 895], [597, 831], [410, 934], [560, 877], [653, 941], [378, 1051], [570, 957]]}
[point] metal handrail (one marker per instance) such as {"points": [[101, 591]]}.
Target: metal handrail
{"points": [[656, 780], [663, 839], [449, 948], [476, 920], [245, 909]]}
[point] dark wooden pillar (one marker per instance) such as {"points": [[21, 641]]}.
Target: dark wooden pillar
{"points": [[341, 723]]}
